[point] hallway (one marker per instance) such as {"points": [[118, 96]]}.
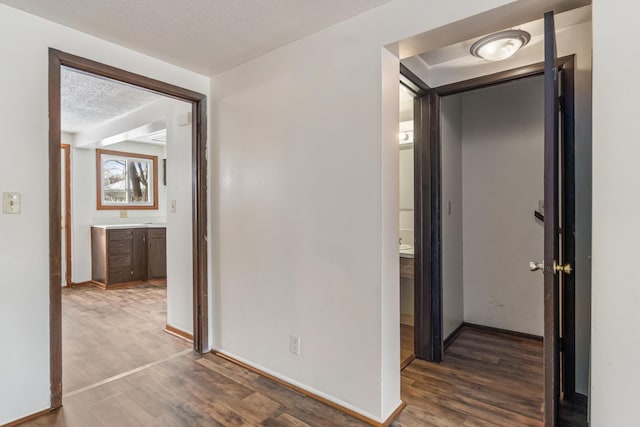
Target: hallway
{"points": [[485, 379]]}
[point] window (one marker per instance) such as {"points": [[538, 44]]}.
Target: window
{"points": [[126, 180]]}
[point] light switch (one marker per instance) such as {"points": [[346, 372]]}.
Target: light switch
{"points": [[11, 203], [173, 206]]}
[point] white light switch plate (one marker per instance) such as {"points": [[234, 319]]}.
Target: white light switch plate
{"points": [[11, 203]]}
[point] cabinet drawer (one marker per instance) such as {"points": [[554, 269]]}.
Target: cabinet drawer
{"points": [[126, 234], [119, 276], [120, 246], [117, 261], [157, 233], [406, 268]]}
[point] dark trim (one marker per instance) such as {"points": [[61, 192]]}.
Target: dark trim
{"points": [[427, 229], [313, 395], [28, 418], [172, 330], [422, 246], [80, 284], [569, 227], [435, 277], [67, 210], [405, 72], [551, 228], [199, 112], [496, 78], [200, 234], [492, 330], [55, 243], [452, 336]]}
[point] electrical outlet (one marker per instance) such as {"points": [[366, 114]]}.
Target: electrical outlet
{"points": [[124, 214], [294, 345]]}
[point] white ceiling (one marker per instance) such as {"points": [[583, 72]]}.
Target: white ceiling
{"points": [[460, 51], [206, 36], [87, 100]]}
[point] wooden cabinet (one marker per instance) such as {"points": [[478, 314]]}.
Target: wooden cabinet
{"points": [[156, 253], [406, 268], [126, 256]]}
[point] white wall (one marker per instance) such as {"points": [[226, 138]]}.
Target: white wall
{"points": [[452, 255], [312, 200], [180, 222], [24, 247], [616, 208], [83, 203], [502, 181]]}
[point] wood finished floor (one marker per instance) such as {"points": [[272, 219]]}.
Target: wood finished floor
{"points": [[106, 333], [485, 380]]}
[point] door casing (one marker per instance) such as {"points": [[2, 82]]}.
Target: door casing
{"points": [[427, 186], [57, 59]]}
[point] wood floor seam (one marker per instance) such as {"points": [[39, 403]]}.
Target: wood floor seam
{"points": [[129, 372]]}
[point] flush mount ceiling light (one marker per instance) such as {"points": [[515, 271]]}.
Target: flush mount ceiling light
{"points": [[499, 46]]}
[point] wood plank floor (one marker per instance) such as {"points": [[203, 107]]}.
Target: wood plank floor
{"points": [[485, 380], [105, 333]]}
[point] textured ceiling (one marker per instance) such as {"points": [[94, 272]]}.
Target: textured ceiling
{"points": [[206, 36], [87, 100]]}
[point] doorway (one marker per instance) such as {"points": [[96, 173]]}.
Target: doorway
{"points": [[57, 60], [435, 209]]}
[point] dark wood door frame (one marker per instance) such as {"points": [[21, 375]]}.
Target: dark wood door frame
{"points": [[57, 59], [427, 209], [66, 148]]}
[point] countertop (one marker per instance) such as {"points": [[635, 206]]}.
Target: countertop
{"points": [[407, 253], [116, 226]]}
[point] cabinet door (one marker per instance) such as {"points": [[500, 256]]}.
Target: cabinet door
{"points": [[139, 264], [157, 253]]}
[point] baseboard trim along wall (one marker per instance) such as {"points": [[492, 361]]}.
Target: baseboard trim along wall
{"points": [[27, 418], [502, 331], [314, 396], [452, 336], [178, 333]]}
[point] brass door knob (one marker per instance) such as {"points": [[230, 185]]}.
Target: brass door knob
{"points": [[566, 268]]}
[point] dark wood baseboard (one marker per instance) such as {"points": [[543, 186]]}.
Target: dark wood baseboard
{"points": [[452, 336], [78, 284], [158, 282], [314, 396], [404, 363], [178, 333], [28, 418], [491, 329]]}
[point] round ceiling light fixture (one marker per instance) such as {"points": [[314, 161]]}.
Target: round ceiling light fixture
{"points": [[499, 46]]}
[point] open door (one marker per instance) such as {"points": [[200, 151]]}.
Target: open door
{"points": [[554, 264]]}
